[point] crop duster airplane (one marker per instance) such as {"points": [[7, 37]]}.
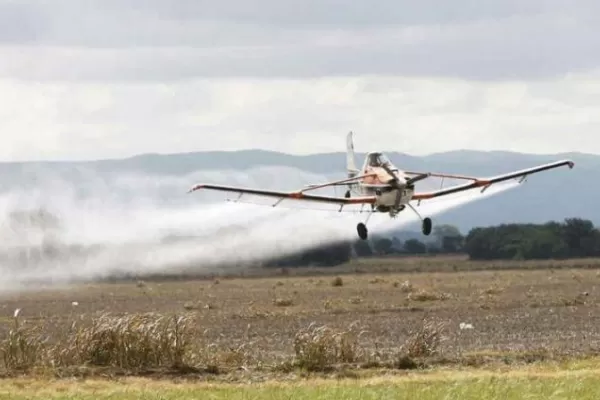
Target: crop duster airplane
{"points": [[383, 187]]}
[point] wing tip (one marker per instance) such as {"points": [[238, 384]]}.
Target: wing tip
{"points": [[196, 187], [568, 162]]}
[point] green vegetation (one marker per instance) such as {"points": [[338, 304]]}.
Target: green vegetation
{"points": [[545, 381], [573, 238]]}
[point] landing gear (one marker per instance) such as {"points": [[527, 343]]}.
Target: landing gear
{"points": [[426, 227], [363, 233], [361, 228], [426, 223]]}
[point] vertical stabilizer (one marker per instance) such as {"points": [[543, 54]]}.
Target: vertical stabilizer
{"points": [[350, 164]]}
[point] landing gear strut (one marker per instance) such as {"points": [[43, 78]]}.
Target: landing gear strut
{"points": [[426, 223]]}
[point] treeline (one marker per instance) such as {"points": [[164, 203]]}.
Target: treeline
{"points": [[444, 239], [572, 238]]}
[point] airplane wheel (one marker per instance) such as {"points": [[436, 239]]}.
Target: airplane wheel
{"points": [[427, 224], [362, 231]]}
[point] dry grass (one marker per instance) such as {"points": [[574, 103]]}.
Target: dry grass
{"points": [[426, 342], [282, 302], [318, 348], [130, 342], [142, 342], [425, 295], [337, 281], [134, 341], [23, 346], [277, 325]]}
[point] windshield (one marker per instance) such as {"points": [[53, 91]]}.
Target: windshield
{"points": [[378, 160]]}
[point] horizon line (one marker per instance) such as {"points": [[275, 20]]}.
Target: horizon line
{"points": [[171, 154]]}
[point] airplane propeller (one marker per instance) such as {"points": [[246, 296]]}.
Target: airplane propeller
{"points": [[399, 187], [417, 178], [395, 184]]}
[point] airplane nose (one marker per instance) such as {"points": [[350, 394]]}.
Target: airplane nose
{"points": [[397, 180]]}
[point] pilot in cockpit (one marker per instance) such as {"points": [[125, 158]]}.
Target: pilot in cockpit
{"points": [[377, 160]]}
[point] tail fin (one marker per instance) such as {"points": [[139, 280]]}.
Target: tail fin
{"points": [[350, 164]]}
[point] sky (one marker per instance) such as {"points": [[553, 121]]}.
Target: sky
{"points": [[90, 79]]}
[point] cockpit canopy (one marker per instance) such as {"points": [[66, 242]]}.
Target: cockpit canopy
{"points": [[378, 160]]}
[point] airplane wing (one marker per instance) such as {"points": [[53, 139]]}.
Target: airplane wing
{"points": [[297, 195], [484, 183]]}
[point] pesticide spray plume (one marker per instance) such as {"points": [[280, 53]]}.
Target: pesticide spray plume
{"points": [[52, 234]]}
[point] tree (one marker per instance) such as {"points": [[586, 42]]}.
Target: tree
{"points": [[362, 248], [383, 245], [580, 237], [446, 230], [324, 256], [396, 244], [415, 246], [449, 238], [573, 238]]}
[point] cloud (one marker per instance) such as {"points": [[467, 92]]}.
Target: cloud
{"points": [[116, 23], [158, 40], [107, 78], [416, 116]]}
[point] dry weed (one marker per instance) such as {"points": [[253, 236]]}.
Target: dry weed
{"points": [[424, 295], [337, 281], [134, 341], [131, 342], [426, 341], [492, 290], [189, 305], [234, 356], [405, 287], [320, 348], [23, 347], [281, 302]]}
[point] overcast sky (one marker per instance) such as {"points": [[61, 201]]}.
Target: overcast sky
{"points": [[85, 79]]}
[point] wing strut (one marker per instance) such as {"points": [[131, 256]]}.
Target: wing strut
{"points": [[485, 183]]}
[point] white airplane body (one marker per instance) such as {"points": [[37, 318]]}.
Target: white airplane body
{"points": [[382, 186]]}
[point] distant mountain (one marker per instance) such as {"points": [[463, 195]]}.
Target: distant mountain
{"points": [[552, 195]]}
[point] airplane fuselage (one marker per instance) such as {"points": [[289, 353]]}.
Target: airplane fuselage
{"points": [[385, 187], [386, 197]]}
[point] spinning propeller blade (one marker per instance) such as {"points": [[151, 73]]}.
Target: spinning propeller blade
{"points": [[417, 178], [395, 184]]}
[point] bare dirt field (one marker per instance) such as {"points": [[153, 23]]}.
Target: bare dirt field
{"points": [[480, 312]]}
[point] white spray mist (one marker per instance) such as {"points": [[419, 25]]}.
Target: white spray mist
{"points": [[101, 236]]}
